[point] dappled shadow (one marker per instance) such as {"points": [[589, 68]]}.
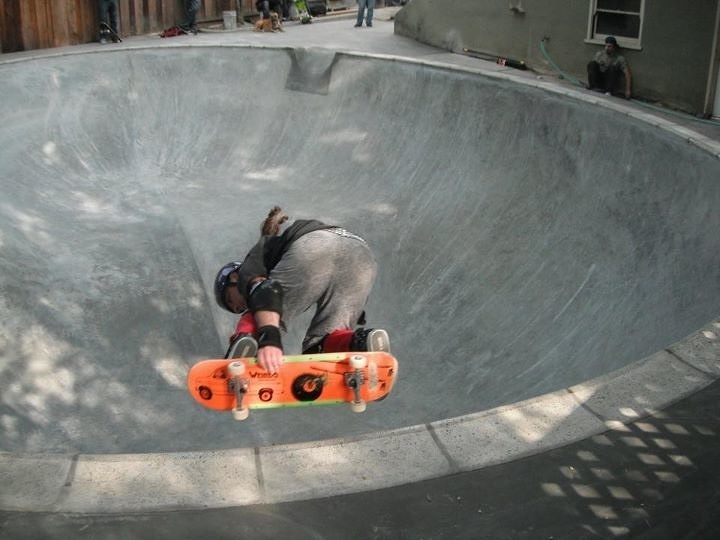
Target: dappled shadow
{"points": [[637, 477], [513, 261]]}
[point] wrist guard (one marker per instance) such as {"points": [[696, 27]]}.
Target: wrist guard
{"points": [[266, 296], [269, 335]]}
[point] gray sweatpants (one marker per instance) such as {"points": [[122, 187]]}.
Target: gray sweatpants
{"points": [[334, 273]]}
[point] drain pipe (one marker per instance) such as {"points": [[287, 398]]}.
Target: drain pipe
{"points": [[713, 75]]}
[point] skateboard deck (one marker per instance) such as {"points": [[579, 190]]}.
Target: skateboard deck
{"points": [[240, 384], [105, 30]]}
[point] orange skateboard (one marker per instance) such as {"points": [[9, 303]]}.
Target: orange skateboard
{"points": [[239, 384]]}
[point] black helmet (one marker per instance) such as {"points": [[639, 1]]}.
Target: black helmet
{"points": [[222, 281]]}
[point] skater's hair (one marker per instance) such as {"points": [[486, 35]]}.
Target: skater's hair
{"points": [[272, 223]]}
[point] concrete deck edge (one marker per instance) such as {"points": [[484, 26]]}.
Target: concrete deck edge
{"points": [[127, 483]]}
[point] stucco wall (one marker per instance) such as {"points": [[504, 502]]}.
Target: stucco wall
{"points": [[672, 65]]}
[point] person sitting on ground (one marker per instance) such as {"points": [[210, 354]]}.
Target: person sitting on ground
{"points": [[283, 275], [607, 68]]}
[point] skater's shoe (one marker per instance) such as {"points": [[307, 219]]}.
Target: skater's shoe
{"points": [[244, 346], [371, 340]]}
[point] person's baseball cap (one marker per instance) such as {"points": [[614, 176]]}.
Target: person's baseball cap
{"points": [[611, 40]]}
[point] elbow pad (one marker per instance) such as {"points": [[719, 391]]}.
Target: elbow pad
{"points": [[266, 296]]}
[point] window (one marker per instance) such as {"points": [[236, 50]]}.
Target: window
{"points": [[620, 18]]}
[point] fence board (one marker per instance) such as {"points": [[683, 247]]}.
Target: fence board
{"points": [[59, 23], [74, 23], [45, 24], [138, 18], [28, 25], [151, 13]]}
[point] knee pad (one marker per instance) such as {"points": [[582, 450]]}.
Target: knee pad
{"points": [[266, 296], [246, 325], [338, 341]]}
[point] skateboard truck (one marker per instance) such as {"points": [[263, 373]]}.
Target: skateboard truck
{"points": [[354, 380], [238, 385]]}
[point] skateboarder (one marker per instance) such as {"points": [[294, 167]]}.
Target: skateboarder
{"points": [[283, 275]]}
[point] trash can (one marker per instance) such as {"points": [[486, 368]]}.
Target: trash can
{"points": [[230, 20]]}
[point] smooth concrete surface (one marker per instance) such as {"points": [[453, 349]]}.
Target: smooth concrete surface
{"points": [[527, 242], [131, 483], [653, 478], [472, 245]]}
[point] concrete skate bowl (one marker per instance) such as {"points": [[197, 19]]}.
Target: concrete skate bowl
{"points": [[527, 240]]}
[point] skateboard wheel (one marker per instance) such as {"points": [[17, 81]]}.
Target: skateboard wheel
{"points": [[240, 414], [358, 406], [236, 369], [357, 361], [307, 387]]}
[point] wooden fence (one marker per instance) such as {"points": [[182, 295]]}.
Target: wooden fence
{"points": [[37, 24]]}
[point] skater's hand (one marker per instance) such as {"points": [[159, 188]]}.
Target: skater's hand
{"points": [[270, 358], [270, 353]]}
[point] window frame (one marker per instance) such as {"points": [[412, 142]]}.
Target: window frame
{"points": [[625, 42]]}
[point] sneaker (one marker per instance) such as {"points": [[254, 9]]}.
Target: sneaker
{"points": [[358, 25], [371, 340], [369, 25], [245, 346], [378, 340]]}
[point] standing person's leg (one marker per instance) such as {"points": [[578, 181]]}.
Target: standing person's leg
{"points": [[191, 9], [103, 11], [113, 16], [370, 9], [103, 18], [360, 12], [264, 7]]}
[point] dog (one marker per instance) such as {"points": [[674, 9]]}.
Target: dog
{"points": [[269, 25]]}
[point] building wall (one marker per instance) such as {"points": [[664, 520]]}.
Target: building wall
{"points": [[673, 65]]}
